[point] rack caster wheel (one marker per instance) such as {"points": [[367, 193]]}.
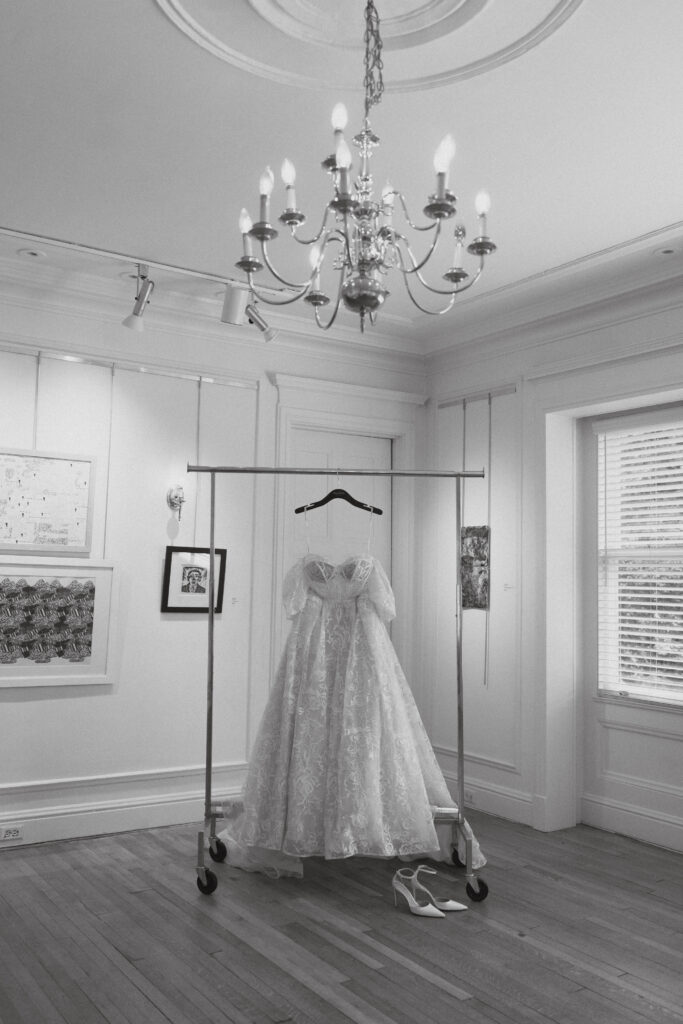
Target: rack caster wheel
{"points": [[220, 852], [477, 895], [210, 885], [456, 860]]}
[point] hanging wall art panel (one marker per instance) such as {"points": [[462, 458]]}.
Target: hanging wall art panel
{"points": [[55, 623], [474, 566], [45, 503]]}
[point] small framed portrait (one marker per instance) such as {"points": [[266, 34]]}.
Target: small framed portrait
{"points": [[186, 579]]}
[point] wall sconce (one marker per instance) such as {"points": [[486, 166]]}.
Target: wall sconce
{"points": [[175, 499], [144, 289]]}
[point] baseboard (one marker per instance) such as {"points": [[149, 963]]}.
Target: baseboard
{"points": [[630, 820], [502, 801], [73, 808]]}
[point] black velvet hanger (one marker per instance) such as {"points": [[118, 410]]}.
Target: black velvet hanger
{"points": [[339, 492]]}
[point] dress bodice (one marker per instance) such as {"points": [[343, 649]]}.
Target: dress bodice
{"points": [[341, 582], [359, 576]]}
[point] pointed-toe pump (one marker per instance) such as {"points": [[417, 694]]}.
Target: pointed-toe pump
{"points": [[410, 877], [421, 909]]}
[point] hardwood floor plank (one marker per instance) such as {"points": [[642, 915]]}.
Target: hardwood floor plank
{"points": [[621, 988], [579, 926], [284, 996]]}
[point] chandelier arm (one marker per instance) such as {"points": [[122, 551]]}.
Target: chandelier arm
{"points": [[333, 317], [316, 238], [303, 285], [346, 239], [409, 221], [262, 297], [438, 291], [450, 291], [415, 266], [423, 309]]}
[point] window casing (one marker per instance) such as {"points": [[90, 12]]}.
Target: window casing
{"points": [[640, 558]]}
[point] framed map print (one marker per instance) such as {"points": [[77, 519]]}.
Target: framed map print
{"points": [[45, 503]]}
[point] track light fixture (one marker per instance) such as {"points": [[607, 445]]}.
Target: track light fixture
{"points": [[144, 290], [234, 304], [255, 317]]}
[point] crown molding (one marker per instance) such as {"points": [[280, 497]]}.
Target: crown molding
{"points": [[284, 381]]}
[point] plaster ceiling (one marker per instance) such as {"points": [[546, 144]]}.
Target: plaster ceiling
{"points": [[142, 126]]}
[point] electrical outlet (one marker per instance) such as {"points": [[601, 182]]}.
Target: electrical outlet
{"points": [[11, 833], [469, 797]]}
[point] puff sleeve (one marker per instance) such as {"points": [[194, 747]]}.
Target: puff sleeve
{"points": [[380, 593], [294, 590]]}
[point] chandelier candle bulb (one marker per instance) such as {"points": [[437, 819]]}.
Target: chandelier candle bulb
{"points": [[443, 157], [343, 157], [339, 119], [288, 174], [266, 182], [245, 228], [482, 205]]}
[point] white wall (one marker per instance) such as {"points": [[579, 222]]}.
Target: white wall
{"points": [[131, 753], [524, 731], [138, 738], [78, 760]]}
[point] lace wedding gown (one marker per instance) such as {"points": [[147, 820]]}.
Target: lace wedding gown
{"points": [[342, 764]]}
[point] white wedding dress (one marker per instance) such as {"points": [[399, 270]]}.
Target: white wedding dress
{"points": [[342, 764]]}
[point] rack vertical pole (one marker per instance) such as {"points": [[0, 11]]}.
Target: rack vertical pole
{"points": [[209, 662], [209, 817], [458, 652], [470, 876]]}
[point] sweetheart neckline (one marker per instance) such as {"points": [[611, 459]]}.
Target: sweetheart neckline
{"points": [[321, 560]]}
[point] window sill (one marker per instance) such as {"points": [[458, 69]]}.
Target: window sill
{"points": [[667, 704]]}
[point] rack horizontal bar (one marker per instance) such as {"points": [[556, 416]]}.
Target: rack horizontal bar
{"points": [[327, 471]]}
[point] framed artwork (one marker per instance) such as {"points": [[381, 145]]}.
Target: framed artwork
{"points": [[45, 503], [186, 579], [55, 623], [474, 566]]}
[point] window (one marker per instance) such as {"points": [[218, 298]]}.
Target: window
{"points": [[640, 558]]}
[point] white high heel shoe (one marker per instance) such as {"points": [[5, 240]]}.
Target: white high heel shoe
{"points": [[421, 909], [406, 875]]}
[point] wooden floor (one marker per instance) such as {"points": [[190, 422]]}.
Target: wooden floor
{"points": [[579, 926]]}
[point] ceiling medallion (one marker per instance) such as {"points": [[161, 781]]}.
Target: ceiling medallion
{"points": [[454, 39]]}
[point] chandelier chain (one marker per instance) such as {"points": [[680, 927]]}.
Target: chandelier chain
{"points": [[374, 83]]}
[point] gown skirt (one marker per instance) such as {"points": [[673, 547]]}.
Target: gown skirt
{"points": [[342, 764]]}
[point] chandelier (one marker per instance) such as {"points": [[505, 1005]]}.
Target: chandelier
{"points": [[359, 236]]}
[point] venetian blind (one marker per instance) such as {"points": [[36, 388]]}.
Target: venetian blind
{"points": [[640, 586]]}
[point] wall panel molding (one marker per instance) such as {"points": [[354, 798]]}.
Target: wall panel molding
{"points": [[631, 820], [443, 750], [65, 808]]}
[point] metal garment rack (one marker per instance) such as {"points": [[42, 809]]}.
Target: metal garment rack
{"points": [[207, 881]]}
